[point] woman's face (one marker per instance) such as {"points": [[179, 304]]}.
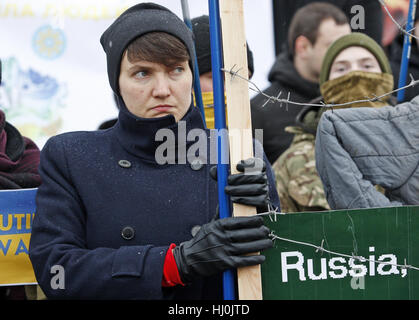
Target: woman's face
{"points": [[353, 59], [153, 90]]}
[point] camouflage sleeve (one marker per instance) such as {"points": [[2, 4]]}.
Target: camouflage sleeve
{"points": [[299, 186], [287, 204]]}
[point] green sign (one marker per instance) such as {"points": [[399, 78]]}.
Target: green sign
{"points": [[347, 254]]}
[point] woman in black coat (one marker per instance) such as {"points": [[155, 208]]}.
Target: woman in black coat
{"points": [[128, 212]]}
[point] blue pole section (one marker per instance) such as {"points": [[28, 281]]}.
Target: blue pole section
{"points": [[197, 85], [220, 126], [406, 50]]}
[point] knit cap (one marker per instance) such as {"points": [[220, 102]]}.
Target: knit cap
{"points": [[201, 30], [135, 22], [354, 39]]}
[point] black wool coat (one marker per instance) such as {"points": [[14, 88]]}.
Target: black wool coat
{"points": [[107, 212]]}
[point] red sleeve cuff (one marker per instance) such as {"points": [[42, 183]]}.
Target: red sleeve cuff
{"points": [[171, 275]]}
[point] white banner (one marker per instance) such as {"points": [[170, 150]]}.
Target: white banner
{"points": [[54, 68]]}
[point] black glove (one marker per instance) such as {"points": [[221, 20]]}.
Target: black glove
{"points": [[221, 245], [250, 186]]}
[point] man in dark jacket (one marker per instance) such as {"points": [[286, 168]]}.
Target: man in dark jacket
{"points": [[116, 219], [296, 72]]}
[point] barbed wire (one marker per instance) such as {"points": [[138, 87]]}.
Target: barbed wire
{"points": [[272, 99], [287, 101], [404, 31], [272, 211]]}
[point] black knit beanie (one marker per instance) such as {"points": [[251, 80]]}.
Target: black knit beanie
{"points": [[201, 30], [137, 21]]}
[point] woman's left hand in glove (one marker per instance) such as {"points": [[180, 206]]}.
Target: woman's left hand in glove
{"points": [[250, 185]]}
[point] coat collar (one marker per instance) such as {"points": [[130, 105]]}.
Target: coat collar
{"points": [[138, 135]]}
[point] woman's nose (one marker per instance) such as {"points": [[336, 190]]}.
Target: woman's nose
{"points": [[161, 86]]}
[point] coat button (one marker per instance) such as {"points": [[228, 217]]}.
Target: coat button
{"points": [[124, 163], [197, 164], [128, 233]]}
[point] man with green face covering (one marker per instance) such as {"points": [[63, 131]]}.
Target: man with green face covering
{"points": [[355, 67]]}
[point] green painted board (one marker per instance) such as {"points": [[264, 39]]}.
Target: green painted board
{"points": [[295, 271]]}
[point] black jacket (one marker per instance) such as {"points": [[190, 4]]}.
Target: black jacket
{"points": [[273, 118]]}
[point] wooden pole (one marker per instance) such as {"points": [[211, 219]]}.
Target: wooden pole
{"points": [[239, 121]]}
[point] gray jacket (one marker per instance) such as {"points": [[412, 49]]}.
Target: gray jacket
{"points": [[359, 148]]}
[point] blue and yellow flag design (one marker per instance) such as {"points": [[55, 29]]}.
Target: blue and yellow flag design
{"points": [[17, 210]]}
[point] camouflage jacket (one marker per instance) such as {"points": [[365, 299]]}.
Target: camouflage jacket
{"points": [[298, 184]]}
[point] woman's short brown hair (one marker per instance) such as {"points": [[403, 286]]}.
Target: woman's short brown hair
{"points": [[158, 47]]}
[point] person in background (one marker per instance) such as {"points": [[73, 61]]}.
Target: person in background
{"points": [[371, 24], [121, 222], [19, 161], [201, 30], [296, 71], [354, 67]]}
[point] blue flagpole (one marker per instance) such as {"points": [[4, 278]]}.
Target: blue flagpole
{"points": [[220, 126], [197, 85], [407, 44]]}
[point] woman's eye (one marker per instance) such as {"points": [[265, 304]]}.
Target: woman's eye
{"points": [[178, 70], [141, 74]]}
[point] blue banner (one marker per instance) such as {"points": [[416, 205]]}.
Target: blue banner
{"points": [[17, 210]]}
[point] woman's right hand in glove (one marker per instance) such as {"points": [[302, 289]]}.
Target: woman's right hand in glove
{"points": [[222, 244]]}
